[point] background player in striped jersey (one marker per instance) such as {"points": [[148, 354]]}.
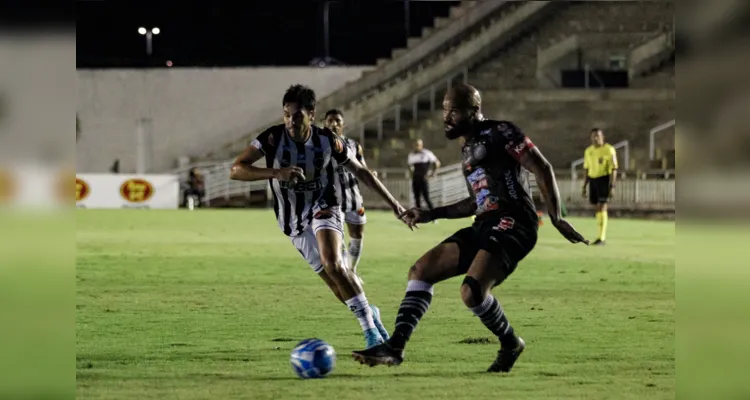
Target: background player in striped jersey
{"points": [[347, 186], [299, 166]]}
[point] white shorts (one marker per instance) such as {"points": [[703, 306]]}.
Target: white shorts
{"points": [[355, 217], [307, 243]]}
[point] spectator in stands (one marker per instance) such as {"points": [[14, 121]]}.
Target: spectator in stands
{"points": [[196, 187], [600, 167], [422, 166]]}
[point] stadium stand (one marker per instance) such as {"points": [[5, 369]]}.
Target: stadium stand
{"points": [[515, 53], [554, 68]]}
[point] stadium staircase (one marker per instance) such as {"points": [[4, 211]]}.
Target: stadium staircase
{"points": [[510, 50], [520, 82], [471, 32]]}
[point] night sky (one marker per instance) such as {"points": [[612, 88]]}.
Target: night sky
{"points": [[244, 32]]}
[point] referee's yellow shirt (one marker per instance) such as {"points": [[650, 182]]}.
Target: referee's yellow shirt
{"points": [[600, 161]]}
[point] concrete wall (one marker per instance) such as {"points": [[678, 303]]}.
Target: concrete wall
{"points": [[189, 109]]}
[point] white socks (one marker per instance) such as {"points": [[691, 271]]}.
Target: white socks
{"points": [[361, 309], [354, 253]]}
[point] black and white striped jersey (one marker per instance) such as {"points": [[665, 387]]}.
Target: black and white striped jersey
{"points": [[295, 205], [346, 186]]}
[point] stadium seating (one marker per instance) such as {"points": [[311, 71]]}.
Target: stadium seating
{"points": [[474, 31], [519, 83], [514, 55]]}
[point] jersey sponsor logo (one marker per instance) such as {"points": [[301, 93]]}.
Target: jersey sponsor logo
{"points": [[510, 183], [136, 190], [479, 185], [504, 224], [478, 180], [82, 189], [271, 140], [302, 186], [505, 130], [517, 150], [477, 175], [490, 203], [484, 199], [479, 151]]}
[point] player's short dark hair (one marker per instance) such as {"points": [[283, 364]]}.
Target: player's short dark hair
{"points": [[334, 111], [302, 95], [595, 129]]}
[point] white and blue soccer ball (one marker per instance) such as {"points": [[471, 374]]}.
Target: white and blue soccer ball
{"points": [[313, 358]]}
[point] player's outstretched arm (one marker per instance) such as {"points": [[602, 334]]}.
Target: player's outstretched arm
{"points": [[366, 176], [534, 161], [243, 169], [462, 209]]}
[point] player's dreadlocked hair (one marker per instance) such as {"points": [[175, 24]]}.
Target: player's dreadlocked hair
{"points": [[302, 95], [334, 111]]}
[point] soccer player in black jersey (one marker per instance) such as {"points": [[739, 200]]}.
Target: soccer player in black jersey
{"points": [[504, 231], [299, 166]]}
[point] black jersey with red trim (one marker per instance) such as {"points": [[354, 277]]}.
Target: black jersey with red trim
{"points": [[491, 166]]}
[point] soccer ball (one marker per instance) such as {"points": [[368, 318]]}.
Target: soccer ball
{"points": [[313, 358]]}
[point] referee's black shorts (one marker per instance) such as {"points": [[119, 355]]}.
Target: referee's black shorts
{"points": [[599, 190]]}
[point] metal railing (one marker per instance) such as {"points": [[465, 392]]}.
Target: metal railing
{"points": [[651, 137], [449, 186]]}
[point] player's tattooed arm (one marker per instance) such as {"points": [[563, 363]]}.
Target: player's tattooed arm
{"points": [[243, 169]]}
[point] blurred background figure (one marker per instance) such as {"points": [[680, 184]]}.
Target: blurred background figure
{"points": [[422, 165], [195, 191]]}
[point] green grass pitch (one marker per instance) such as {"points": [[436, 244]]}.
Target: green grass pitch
{"points": [[208, 304]]}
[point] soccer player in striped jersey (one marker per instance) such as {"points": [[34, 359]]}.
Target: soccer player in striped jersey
{"points": [[299, 166], [348, 188]]}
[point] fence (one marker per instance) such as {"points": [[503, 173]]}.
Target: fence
{"points": [[630, 193], [448, 186]]}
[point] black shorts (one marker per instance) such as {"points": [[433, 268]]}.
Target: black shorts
{"points": [[509, 237], [599, 190]]}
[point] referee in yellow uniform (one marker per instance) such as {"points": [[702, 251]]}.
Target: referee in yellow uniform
{"points": [[600, 165]]}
